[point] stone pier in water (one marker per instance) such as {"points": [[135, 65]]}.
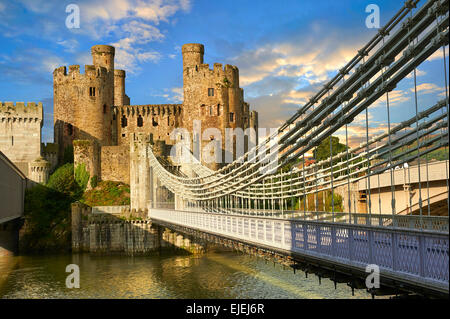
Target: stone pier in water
{"points": [[128, 233]]}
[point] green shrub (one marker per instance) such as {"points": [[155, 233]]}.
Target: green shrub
{"points": [[81, 176], [94, 181], [47, 221], [63, 181]]}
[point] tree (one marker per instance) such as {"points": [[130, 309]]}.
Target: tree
{"points": [[322, 152]]}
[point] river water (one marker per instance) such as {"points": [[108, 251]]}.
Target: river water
{"points": [[212, 275]]}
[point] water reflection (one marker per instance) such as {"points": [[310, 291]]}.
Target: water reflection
{"points": [[213, 275]]}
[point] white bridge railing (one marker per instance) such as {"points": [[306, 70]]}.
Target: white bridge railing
{"points": [[434, 223], [421, 257]]}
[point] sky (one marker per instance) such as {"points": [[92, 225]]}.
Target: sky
{"points": [[285, 50]]}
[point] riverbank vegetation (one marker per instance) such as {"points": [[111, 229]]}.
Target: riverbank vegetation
{"points": [[47, 211]]}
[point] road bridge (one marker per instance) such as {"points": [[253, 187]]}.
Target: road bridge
{"points": [[12, 192], [258, 201]]}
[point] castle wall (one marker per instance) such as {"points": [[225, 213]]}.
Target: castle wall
{"points": [[50, 153], [20, 132], [88, 153], [115, 163], [159, 120]]}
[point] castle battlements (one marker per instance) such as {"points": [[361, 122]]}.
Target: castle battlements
{"points": [[227, 75], [150, 110], [20, 110], [90, 71]]}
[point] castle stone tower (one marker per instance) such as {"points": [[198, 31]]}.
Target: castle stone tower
{"points": [[103, 55], [20, 132], [119, 88], [83, 102], [214, 97], [192, 54]]}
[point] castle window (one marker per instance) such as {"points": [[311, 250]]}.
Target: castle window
{"points": [[218, 109], [211, 113], [210, 92], [104, 108], [231, 117], [140, 121], [154, 123], [12, 140], [92, 91], [124, 121]]}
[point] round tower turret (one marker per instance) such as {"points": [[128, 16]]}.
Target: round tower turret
{"points": [[119, 87], [192, 54], [103, 55], [38, 170]]}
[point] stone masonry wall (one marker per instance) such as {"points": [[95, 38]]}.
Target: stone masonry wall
{"points": [[20, 132], [158, 120], [87, 153], [115, 163], [109, 234]]}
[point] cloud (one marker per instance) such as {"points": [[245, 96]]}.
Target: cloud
{"points": [[280, 76], [418, 73], [69, 45], [128, 53], [176, 95], [30, 66], [396, 97], [428, 88], [312, 57], [134, 23], [438, 54], [130, 25]]}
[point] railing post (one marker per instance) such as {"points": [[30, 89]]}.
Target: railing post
{"points": [[305, 236], [371, 244], [421, 255], [394, 251], [350, 243], [318, 238], [333, 240]]}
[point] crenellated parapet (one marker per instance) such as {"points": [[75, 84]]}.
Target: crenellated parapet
{"points": [[20, 111], [38, 170], [154, 110], [227, 77], [91, 72]]}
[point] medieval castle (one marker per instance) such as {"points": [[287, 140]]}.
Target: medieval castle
{"points": [[92, 114]]}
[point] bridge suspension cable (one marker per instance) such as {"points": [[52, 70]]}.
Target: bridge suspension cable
{"points": [[394, 53]]}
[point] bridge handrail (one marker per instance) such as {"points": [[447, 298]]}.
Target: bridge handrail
{"points": [[414, 256]]}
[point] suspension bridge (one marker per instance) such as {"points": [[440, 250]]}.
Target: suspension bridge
{"points": [[393, 211]]}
